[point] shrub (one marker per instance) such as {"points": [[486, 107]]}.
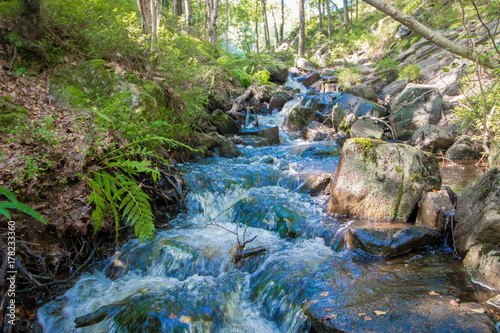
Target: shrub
{"points": [[348, 77], [410, 73], [387, 67]]}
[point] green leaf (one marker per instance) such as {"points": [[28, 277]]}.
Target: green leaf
{"points": [[5, 212], [8, 194], [23, 208]]}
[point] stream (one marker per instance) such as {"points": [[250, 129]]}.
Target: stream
{"points": [[305, 281]]}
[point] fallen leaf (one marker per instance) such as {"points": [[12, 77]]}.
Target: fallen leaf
{"points": [[185, 319], [380, 313], [367, 318], [454, 303], [361, 314], [433, 293], [323, 294], [172, 316]]}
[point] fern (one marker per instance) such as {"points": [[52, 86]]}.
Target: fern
{"points": [[14, 204], [121, 195]]}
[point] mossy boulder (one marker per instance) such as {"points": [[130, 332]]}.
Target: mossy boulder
{"points": [[478, 215], [93, 81], [382, 181], [432, 138], [482, 263], [359, 106], [11, 114], [224, 123]]}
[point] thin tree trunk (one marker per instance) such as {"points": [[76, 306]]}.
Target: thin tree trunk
{"points": [[276, 34], [213, 11], [188, 9], [154, 22], [257, 26], [302, 28], [329, 25], [146, 17], [30, 20], [432, 36], [357, 3], [282, 25], [198, 20], [346, 16], [319, 16], [227, 25], [352, 14], [266, 24]]}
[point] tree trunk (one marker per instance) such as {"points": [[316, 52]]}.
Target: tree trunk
{"points": [[198, 20], [302, 28], [177, 4], [430, 35], [213, 11], [282, 25], [227, 25], [352, 14], [276, 34], [146, 18], [188, 9], [266, 24], [154, 22], [256, 26], [320, 16], [329, 25], [357, 3], [346, 16], [30, 20]]}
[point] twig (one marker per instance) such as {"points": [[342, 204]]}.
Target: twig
{"points": [[25, 271], [485, 26], [218, 225]]}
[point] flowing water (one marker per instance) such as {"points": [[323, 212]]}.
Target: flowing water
{"points": [[185, 279]]}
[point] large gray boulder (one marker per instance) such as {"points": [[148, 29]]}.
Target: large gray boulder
{"points": [[272, 134], [305, 65], [393, 89], [279, 99], [417, 105], [434, 212], [464, 148], [482, 263], [316, 131], [362, 90], [359, 106], [308, 79], [366, 128], [306, 112], [478, 216], [432, 138], [382, 181]]}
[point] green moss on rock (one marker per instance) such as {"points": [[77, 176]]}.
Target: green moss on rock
{"points": [[11, 114]]}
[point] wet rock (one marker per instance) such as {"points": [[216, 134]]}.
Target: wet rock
{"points": [[318, 86], [10, 114], [268, 159], [261, 212], [366, 128], [272, 134], [316, 132], [321, 151], [327, 72], [206, 140], [309, 79], [279, 99], [175, 309], [317, 184], [226, 148], [305, 65], [417, 105], [359, 106], [278, 73], [482, 263], [224, 123], [254, 141], [432, 138], [333, 292], [390, 240], [393, 89], [477, 217], [434, 211], [464, 148], [362, 90], [381, 181], [330, 79], [306, 112]]}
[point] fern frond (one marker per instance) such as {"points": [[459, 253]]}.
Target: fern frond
{"points": [[23, 208], [8, 194], [5, 212]]}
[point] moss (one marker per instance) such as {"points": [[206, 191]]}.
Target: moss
{"points": [[394, 212], [415, 177], [489, 247], [10, 114], [398, 169], [368, 148]]}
